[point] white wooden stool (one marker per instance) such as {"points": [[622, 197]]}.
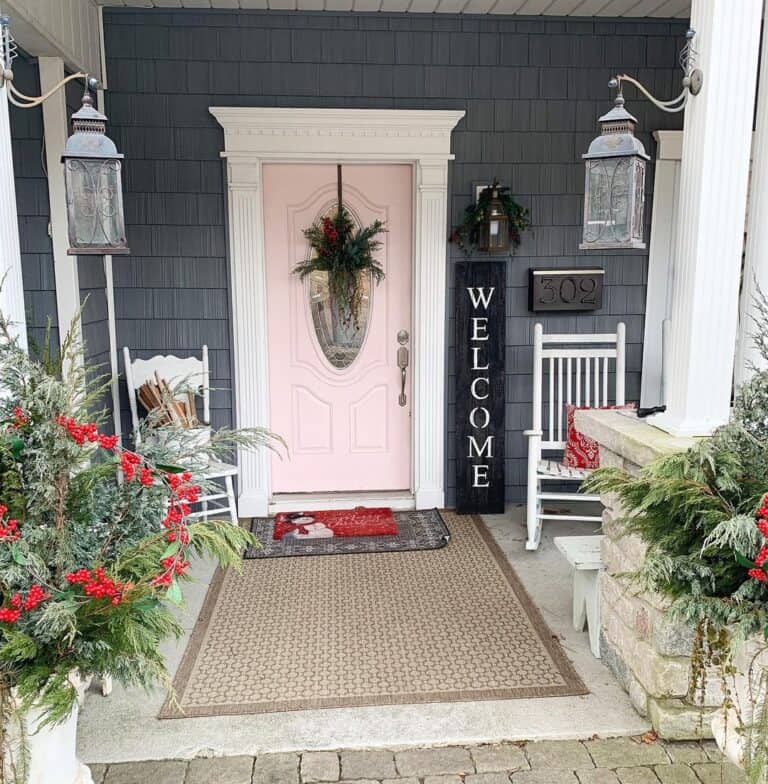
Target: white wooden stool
{"points": [[583, 554]]}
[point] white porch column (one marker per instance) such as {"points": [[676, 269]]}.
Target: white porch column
{"points": [[756, 260], [713, 193], [55, 133], [12, 290]]}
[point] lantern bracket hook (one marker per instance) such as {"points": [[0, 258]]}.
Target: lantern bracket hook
{"points": [[692, 82]]}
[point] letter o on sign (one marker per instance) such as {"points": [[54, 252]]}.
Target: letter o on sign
{"points": [[473, 417]]}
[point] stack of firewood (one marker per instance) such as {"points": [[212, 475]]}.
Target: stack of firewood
{"points": [[166, 406]]}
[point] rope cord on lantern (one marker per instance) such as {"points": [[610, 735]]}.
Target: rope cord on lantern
{"points": [[29, 102], [671, 106]]}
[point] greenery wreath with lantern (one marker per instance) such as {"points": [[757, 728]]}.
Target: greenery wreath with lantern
{"points": [[467, 235], [346, 253]]}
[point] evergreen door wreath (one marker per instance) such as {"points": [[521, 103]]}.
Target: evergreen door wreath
{"points": [[346, 254]]}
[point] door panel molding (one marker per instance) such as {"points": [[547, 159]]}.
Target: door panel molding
{"points": [[254, 136]]}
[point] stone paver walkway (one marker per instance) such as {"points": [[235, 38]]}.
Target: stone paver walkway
{"points": [[613, 761]]}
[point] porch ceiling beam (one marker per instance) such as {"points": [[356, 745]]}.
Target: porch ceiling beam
{"points": [[53, 28], [617, 8]]}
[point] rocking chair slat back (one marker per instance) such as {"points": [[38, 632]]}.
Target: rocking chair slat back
{"points": [[564, 374], [582, 370]]}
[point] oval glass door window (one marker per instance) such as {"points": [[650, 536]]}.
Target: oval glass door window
{"points": [[339, 337]]}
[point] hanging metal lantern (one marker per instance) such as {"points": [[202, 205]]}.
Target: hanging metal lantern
{"points": [[92, 177], [494, 230], [614, 195]]}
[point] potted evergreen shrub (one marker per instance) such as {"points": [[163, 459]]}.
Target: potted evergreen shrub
{"points": [[95, 545], [703, 515]]}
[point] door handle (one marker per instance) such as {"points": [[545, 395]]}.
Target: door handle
{"points": [[402, 363]]}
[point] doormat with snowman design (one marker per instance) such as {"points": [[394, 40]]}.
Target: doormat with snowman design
{"points": [[360, 530], [360, 521]]}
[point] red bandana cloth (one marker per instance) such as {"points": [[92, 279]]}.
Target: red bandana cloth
{"points": [[580, 450]]}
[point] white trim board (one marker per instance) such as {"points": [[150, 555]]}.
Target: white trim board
{"points": [[661, 267], [253, 136], [55, 123]]}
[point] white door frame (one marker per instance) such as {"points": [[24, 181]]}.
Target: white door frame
{"points": [[254, 136]]}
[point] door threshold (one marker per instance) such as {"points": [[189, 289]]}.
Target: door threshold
{"points": [[400, 500]]}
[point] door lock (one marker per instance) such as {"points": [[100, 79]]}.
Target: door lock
{"points": [[402, 363]]}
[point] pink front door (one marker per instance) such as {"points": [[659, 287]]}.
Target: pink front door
{"points": [[334, 390]]}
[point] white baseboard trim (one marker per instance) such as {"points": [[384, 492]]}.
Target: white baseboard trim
{"points": [[430, 499], [253, 504]]}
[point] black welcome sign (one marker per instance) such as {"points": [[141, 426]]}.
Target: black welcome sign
{"points": [[480, 323]]}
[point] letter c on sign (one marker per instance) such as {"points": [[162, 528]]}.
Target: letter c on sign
{"points": [[473, 388]]}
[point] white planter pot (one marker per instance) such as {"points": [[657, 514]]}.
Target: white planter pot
{"points": [[748, 689], [729, 740], [52, 751]]}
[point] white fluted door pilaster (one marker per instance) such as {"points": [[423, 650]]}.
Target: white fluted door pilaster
{"points": [[756, 259], [429, 333], [714, 173], [249, 316], [12, 289]]}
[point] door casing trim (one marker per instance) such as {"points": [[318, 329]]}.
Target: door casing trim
{"points": [[254, 136]]}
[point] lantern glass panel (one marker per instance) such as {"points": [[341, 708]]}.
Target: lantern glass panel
{"points": [[608, 209], [494, 231], [637, 232], [94, 204]]}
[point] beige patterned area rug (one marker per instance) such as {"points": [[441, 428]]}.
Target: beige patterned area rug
{"points": [[446, 625]]}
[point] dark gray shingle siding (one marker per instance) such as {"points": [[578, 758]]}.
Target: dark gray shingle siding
{"points": [[532, 89]]}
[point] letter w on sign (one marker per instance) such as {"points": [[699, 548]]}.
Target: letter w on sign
{"points": [[481, 296], [480, 321]]}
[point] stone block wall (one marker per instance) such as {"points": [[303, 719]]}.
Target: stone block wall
{"points": [[649, 654]]}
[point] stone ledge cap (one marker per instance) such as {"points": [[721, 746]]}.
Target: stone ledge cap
{"points": [[624, 434]]}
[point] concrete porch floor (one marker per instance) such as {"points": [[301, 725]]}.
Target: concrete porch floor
{"points": [[124, 727]]}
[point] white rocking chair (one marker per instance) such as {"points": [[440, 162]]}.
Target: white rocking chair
{"points": [[175, 369], [577, 371]]}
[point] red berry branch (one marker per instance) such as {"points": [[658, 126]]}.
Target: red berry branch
{"points": [[96, 584], [9, 528], [758, 572]]}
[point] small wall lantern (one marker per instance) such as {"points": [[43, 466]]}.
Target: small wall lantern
{"points": [[494, 230], [92, 178], [614, 195]]}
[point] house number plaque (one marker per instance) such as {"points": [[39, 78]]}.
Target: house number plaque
{"points": [[571, 289], [480, 329]]}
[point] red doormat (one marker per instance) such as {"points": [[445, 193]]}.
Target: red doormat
{"points": [[344, 522]]}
